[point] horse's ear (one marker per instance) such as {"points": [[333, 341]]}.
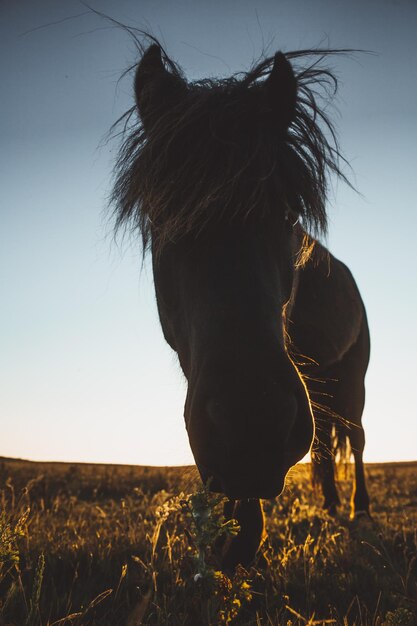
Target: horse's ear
{"points": [[156, 89], [281, 87]]}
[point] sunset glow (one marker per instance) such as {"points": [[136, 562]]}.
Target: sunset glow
{"points": [[86, 373]]}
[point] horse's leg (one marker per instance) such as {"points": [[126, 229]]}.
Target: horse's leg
{"points": [[242, 549], [360, 498], [345, 389], [323, 467]]}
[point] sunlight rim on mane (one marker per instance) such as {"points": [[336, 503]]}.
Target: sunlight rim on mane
{"points": [[154, 190]]}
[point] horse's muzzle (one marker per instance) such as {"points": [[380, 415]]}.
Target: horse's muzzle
{"points": [[256, 482]]}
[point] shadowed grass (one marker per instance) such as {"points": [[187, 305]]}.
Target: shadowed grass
{"points": [[109, 545]]}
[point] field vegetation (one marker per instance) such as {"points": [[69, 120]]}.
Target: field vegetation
{"points": [[104, 545]]}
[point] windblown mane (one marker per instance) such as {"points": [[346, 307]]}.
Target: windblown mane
{"points": [[219, 153]]}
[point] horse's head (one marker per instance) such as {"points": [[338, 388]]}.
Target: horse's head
{"points": [[216, 178], [221, 299]]}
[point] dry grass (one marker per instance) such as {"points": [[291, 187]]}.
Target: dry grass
{"points": [[117, 545]]}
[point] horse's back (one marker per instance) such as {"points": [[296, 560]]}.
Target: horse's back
{"points": [[328, 315]]}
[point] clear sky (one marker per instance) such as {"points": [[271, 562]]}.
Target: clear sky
{"points": [[85, 374]]}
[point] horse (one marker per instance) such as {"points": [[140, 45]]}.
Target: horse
{"points": [[226, 182]]}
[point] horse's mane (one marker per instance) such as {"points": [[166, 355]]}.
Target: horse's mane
{"points": [[219, 154]]}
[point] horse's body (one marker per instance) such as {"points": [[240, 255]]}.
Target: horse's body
{"points": [[329, 335], [269, 327]]}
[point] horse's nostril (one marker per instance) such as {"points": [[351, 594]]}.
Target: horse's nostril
{"points": [[263, 412], [216, 412]]}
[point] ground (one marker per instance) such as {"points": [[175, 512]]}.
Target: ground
{"points": [[121, 545]]}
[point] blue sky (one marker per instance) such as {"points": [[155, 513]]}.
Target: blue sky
{"points": [[85, 373]]}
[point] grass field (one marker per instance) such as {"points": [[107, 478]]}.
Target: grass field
{"points": [[120, 545]]}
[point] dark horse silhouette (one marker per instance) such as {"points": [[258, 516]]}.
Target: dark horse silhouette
{"points": [[226, 182]]}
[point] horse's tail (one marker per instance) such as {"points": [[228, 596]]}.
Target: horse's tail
{"points": [[337, 446]]}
